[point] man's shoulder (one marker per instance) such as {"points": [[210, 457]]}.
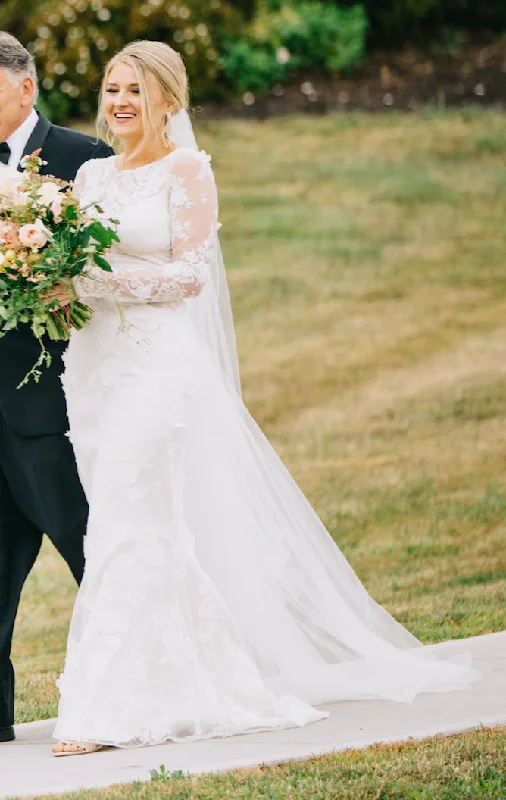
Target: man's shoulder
{"points": [[72, 138], [65, 150]]}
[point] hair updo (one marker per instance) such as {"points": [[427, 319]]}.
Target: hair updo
{"points": [[168, 69]]}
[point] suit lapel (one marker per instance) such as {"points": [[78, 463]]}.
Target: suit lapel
{"points": [[38, 135]]}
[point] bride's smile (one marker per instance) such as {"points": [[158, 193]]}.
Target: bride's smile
{"points": [[122, 106]]}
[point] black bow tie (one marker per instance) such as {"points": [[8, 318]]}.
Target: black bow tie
{"points": [[5, 153]]}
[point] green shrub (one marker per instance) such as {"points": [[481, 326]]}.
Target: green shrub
{"points": [[55, 105], [317, 35], [250, 67], [229, 47], [398, 21], [287, 37]]}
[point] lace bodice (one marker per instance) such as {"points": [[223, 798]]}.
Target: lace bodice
{"points": [[167, 213]]}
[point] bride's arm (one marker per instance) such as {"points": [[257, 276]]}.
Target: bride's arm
{"points": [[193, 225]]}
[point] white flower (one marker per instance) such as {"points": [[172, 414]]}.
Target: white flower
{"points": [[10, 183], [48, 192], [26, 159], [20, 199]]}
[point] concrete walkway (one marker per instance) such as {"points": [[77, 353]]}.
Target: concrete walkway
{"points": [[27, 767]]}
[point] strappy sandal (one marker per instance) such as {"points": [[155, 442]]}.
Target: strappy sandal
{"points": [[84, 749]]}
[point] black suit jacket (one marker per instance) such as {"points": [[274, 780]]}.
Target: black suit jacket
{"points": [[39, 409]]}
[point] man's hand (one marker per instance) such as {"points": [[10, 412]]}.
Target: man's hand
{"points": [[63, 293]]}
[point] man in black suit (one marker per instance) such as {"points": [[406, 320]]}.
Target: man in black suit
{"points": [[40, 490]]}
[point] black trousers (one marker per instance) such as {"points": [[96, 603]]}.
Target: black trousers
{"points": [[40, 493]]}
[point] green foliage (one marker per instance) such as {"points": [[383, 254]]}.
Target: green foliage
{"points": [[252, 67], [395, 21], [291, 36], [163, 775], [447, 42], [54, 104], [228, 47], [317, 35]]}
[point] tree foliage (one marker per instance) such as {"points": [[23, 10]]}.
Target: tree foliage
{"points": [[230, 47], [398, 21], [284, 39], [72, 40]]}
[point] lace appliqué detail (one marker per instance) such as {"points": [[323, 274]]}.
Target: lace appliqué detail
{"points": [[100, 181]]}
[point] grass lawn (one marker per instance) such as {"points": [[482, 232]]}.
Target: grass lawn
{"points": [[366, 262]]}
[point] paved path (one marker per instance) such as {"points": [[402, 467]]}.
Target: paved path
{"points": [[27, 768]]}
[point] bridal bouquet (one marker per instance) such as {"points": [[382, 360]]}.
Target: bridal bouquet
{"points": [[46, 240]]}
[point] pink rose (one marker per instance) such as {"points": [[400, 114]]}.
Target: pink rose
{"points": [[34, 236], [8, 233]]}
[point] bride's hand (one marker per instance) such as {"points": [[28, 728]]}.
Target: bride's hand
{"points": [[63, 293]]}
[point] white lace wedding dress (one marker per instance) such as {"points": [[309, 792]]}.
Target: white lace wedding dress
{"points": [[214, 602]]}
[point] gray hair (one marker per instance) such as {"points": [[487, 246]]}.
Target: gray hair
{"points": [[16, 60]]}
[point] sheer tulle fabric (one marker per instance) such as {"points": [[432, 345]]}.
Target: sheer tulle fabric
{"points": [[214, 601], [211, 314]]}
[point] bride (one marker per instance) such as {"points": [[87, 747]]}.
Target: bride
{"points": [[214, 602]]}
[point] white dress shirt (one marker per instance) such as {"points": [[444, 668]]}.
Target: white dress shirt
{"points": [[17, 140]]}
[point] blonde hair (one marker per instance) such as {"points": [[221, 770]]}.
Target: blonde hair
{"points": [[168, 69]]}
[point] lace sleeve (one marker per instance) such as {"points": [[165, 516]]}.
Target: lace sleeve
{"points": [[193, 223], [79, 181]]}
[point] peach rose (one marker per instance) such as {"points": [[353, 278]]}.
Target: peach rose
{"points": [[8, 233], [34, 236], [20, 199]]}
